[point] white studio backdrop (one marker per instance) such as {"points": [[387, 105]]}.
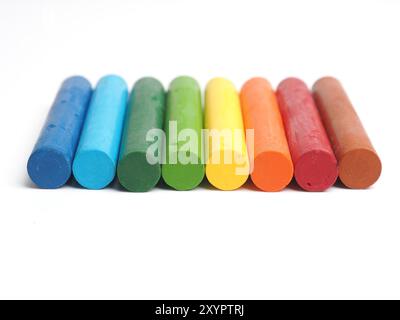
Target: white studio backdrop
{"points": [[75, 243]]}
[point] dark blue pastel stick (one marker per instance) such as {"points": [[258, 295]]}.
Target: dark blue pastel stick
{"points": [[49, 165]]}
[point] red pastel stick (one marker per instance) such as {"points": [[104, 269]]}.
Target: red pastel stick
{"points": [[315, 165]]}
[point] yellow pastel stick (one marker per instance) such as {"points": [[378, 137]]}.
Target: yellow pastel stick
{"points": [[227, 166]]}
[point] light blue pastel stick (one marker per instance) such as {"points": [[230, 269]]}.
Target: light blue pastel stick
{"points": [[96, 158]]}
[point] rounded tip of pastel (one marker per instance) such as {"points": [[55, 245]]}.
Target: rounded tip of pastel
{"points": [[291, 82], [49, 168], [136, 174], [359, 168], [116, 80], [316, 170], [146, 81], [272, 171], [78, 81], [184, 81], [93, 169], [328, 79], [256, 81], [220, 81]]}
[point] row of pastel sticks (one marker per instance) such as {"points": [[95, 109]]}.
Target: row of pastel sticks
{"points": [[314, 135]]}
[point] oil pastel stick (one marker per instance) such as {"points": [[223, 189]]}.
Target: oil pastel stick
{"points": [[359, 164], [315, 165], [50, 164], [96, 158], [184, 169], [227, 165], [139, 169], [273, 167]]}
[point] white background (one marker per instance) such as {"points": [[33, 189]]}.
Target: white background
{"points": [[75, 243]]}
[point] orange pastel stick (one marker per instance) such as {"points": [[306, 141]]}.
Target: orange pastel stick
{"points": [[272, 164]]}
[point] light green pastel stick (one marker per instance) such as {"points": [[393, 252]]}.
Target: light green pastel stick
{"points": [[183, 124]]}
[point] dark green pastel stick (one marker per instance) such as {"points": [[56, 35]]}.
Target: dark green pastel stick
{"points": [[183, 109], [145, 112]]}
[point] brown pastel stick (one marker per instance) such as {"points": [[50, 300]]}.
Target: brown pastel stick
{"points": [[359, 164]]}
